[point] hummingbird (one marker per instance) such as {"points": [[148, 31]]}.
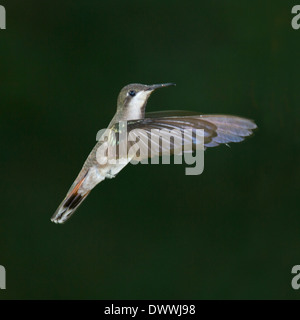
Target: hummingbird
{"points": [[131, 105]]}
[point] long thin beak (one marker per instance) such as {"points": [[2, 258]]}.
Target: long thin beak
{"points": [[162, 85]]}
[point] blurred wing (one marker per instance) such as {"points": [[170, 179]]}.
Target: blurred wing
{"points": [[218, 129], [154, 139], [229, 128]]}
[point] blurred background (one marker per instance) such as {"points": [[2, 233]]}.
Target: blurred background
{"points": [[152, 232]]}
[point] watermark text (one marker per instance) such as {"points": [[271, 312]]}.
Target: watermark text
{"points": [[2, 17]]}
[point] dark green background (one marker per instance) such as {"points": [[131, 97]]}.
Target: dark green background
{"points": [[153, 232]]}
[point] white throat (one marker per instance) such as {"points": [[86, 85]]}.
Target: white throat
{"points": [[134, 108]]}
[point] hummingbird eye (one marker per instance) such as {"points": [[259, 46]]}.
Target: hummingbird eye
{"points": [[131, 93]]}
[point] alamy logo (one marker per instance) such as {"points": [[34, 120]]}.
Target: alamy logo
{"points": [[295, 21], [2, 18], [2, 278], [295, 281], [120, 146]]}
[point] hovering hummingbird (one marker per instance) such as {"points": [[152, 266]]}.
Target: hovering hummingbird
{"points": [[131, 104]]}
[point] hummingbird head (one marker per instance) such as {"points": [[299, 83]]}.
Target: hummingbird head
{"points": [[133, 98]]}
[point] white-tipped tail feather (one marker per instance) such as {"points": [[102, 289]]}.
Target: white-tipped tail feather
{"points": [[71, 202]]}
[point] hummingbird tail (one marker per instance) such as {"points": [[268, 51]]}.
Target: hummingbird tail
{"points": [[69, 205]]}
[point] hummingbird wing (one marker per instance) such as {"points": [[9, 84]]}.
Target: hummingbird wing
{"points": [[218, 129]]}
